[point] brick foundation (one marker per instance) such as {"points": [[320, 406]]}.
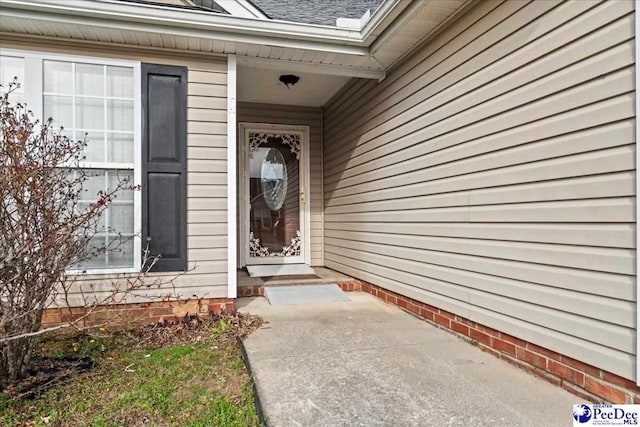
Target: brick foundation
{"points": [[140, 313], [583, 380], [250, 291]]}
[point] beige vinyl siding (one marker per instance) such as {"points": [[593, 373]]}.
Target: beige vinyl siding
{"points": [[300, 116], [492, 174], [206, 165]]}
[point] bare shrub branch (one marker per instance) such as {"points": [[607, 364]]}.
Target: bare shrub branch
{"points": [[47, 231]]}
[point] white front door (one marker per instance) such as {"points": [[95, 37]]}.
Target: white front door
{"points": [[274, 169]]}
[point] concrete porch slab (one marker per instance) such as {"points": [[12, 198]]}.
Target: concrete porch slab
{"points": [[280, 270], [309, 294], [367, 363], [320, 275]]}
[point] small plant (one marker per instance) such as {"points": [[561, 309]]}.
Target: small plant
{"points": [[224, 325]]}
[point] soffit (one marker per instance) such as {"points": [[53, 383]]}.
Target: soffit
{"points": [[263, 85], [192, 31], [416, 24]]}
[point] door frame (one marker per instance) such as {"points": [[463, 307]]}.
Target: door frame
{"points": [[243, 189]]}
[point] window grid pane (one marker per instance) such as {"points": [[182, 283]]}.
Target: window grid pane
{"points": [[97, 101], [116, 226], [12, 67]]}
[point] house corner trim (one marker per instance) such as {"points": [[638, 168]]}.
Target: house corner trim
{"points": [[637, 105], [232, 241]]}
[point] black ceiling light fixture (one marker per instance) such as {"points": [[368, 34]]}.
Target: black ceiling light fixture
{"points": [[289, 79]]}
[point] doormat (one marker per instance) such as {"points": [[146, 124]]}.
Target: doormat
{"points": [[280, 270], [306, 294]]}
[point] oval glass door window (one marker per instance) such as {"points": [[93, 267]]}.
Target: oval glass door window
{"points": [[273, 179]]}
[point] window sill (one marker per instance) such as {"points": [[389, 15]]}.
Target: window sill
{"points": [[104, 273]]}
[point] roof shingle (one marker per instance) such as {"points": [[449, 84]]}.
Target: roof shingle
{"points": [[323, 12]]}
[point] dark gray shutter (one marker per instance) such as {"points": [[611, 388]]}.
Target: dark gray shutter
{"points": [[164, 164]]}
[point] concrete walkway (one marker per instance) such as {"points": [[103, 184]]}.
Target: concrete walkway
{"points": [[367, 363]]}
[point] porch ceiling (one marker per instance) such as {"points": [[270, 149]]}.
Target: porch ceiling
{"points": [[362, 53], [263, 85]]}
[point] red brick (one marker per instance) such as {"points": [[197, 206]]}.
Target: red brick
{"points": [[480, 336], [414, 308], [581, 393], [459, 327], [366, 287], [134, 314], [70, 317], [515, 362], [512, 339], [580, 366], [622, 382], [636, 399], [488, 331], [51, 316], [441, 320], [532, 358], [402, 302], [467, 322], [567, 373], [447, 314], [159, 311], [607, 392], [428, 314], [505, 346], [543, 351], [489, 350], [428, 307]]}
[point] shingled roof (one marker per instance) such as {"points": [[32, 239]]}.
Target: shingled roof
{"points": [[323, 12], [200, 5]]}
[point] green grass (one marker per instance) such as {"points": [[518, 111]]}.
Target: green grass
{"points": [[203, 384]]}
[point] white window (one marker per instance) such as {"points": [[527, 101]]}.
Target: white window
{"points": [[97, 100]]}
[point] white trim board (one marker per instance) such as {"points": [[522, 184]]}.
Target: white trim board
{"points": [[232, 164], [637, 78], [241, 8]]}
